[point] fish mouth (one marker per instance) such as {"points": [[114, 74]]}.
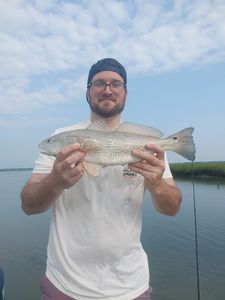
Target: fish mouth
{"points": [[45, 152]]}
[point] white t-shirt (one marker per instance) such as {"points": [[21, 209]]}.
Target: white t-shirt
{"points": [[94, 249]]}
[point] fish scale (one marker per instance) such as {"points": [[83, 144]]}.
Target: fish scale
{"points": [[120, 147]]}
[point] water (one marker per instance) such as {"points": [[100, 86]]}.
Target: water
{"points": [[23, 240], [169, 242]]}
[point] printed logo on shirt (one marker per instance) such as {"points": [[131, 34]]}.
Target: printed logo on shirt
{"points": [[127, 172]]}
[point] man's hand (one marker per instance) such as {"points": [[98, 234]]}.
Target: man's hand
{"points": [[151, 166], [68, 169], [42, 190]]}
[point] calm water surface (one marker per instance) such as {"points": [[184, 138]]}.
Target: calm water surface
{"points": [[168, 241]]}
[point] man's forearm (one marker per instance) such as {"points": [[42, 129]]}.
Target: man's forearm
{"points": [[166, 198], [38, 196]]}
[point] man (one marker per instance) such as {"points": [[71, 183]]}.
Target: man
{"points": [[94, 249]]}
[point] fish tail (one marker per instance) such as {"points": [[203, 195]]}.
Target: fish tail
{"points": [[183, 143]]}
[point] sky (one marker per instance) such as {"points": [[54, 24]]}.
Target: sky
{"points": [[173, 51]]}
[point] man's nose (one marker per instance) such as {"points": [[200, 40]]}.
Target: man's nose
{"points": [[108, 88]]}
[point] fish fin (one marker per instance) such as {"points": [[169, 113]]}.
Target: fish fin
{"points": [[185, 145], [92, 169], [100, 125], [139, 130]]}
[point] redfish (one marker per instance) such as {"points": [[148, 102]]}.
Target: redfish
{"points": [[104, 146]]}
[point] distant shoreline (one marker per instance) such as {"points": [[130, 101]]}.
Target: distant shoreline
{"points": [[15, 169]]}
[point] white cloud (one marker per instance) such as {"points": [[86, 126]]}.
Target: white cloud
{"points": [[45, 5], [16, 97], [48, 37]]}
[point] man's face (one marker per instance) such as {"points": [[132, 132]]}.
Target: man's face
{"points": [[107, 94]]}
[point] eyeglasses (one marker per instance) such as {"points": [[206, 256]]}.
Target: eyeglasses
{"points": [[100, 85]]}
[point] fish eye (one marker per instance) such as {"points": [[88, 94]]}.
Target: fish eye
{"points": [[48, 140], [175, 138]]}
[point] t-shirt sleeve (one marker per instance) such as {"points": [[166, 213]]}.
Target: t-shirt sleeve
{"points": [[167, 173]]}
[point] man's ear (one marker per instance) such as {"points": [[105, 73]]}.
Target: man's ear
{"points": [[87, 97]]}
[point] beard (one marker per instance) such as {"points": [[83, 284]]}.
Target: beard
{"points": [[105, 112]]}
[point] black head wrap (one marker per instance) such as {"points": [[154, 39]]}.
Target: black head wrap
{"points": [[107, 64]]}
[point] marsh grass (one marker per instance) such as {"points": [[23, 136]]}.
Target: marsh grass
{"points": [[200, 169]]}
